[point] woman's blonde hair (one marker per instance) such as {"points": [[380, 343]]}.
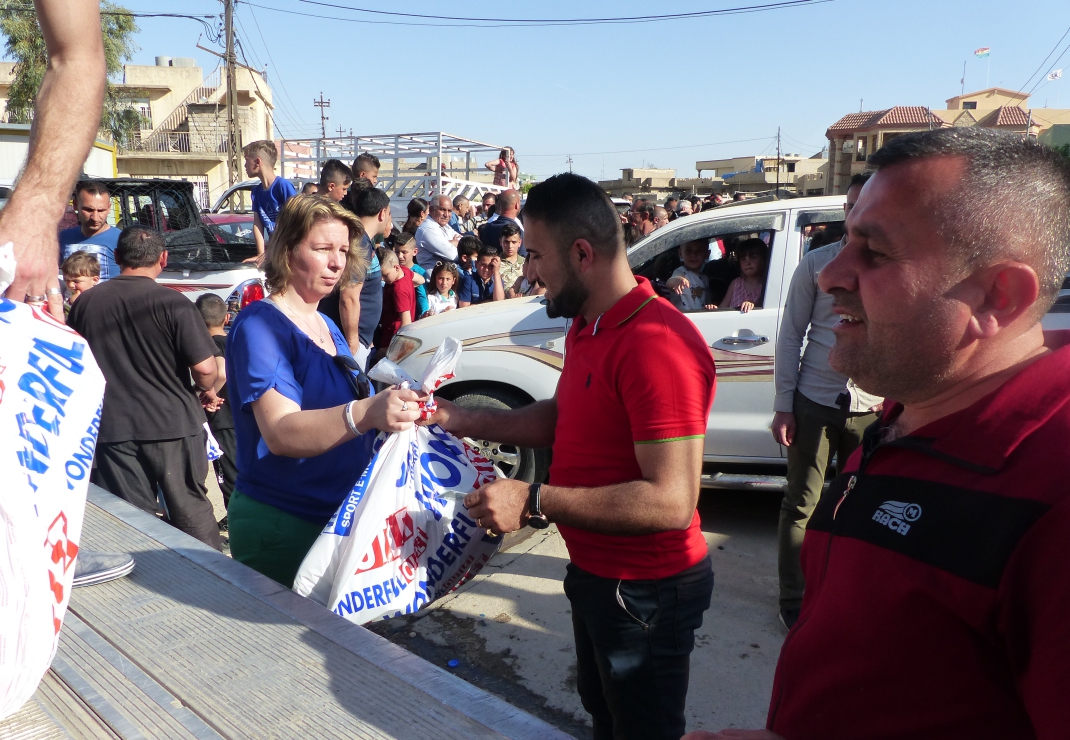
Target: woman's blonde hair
{"points": [[296, 218]]}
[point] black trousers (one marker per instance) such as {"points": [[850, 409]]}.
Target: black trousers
{"points": [[226, 467], [633, 649], [177, 467]]}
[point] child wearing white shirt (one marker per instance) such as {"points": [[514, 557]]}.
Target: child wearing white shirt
{"points": [[690, 287], [442, 298]]}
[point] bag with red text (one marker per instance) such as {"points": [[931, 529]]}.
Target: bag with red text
{"points": [[403, 537], [50, 400]]}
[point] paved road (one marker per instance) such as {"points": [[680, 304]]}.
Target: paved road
{"points": [[510, 630]]}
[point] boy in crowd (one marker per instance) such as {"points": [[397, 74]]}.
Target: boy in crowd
{"points": [[512, 263], [366, 166], [81, 271], [270, 194], [310, 188], [335, 180], [467, 250], [690, 287], [220, 419], [399, 298], [487, 283], [405, 249]]}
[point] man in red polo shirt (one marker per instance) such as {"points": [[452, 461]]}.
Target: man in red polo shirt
{"points": [[937, 580], [627, 428]]}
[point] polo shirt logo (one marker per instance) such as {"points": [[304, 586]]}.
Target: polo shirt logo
{"points": [[897, 516]]}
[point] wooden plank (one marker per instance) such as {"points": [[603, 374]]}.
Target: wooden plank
{"points": [[68, 710], [251, 659], [122, 692], [32, 722]]}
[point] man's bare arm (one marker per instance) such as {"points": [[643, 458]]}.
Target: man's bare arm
{"points": [[530, 426], [66, 120], [204, 374], [349, 314], [662, 500]]}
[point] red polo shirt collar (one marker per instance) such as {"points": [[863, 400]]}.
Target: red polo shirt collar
{"points": [[621, 311], [985, 435]]}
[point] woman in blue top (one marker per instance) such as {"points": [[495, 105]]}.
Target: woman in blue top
{"points": [[303, 441]]}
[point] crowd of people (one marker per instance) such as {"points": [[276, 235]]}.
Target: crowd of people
{"points": [[931, 588], [448, 254], [286, 398]]}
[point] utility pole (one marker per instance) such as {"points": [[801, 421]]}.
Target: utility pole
{"points": [[341, 132], [233, 135], [322, 104], [569, 162], [777, 191]]}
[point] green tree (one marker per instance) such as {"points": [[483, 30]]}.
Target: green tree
{"points": [[26, 46], [1063, 150]]}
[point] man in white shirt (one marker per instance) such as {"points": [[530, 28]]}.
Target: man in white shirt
{"points": [[435, 240], [817, 411]]}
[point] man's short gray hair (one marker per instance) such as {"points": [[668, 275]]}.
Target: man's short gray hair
{"points": [[1013, 201], [458, 200]]}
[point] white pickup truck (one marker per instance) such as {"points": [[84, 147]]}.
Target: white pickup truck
{"points": [[513, 352]]}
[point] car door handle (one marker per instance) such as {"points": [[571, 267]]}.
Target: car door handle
{"points": [[745, 341]]}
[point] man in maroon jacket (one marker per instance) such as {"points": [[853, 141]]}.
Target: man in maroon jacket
{"points": [[937, 582]]}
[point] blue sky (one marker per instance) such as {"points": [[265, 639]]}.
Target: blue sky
{"points": [[628, 95]]}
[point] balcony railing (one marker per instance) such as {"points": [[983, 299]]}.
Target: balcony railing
{"points": [[182, 142]]}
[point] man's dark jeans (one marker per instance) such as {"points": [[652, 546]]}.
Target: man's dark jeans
{"points": [[633, 649]]}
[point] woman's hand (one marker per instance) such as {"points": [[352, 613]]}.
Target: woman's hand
{"points": [[746, 306], [390, 411]]}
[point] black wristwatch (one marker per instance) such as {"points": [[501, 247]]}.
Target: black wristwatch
{"points": [[536, 519]]}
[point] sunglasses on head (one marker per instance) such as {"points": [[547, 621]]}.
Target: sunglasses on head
{"points": [[358, 381]]}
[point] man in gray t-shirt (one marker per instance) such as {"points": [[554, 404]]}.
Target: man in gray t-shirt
{"points": [[818, 412]]}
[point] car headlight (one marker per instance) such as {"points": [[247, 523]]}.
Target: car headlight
{"points": [[402, 346]]}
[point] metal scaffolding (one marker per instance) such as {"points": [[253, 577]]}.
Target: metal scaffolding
{"points": [[418, 165]]}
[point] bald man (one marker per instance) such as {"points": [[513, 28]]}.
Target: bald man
{"points": [[435, 240]]}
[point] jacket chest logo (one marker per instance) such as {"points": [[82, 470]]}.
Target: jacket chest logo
{"points": [[897, 516]]}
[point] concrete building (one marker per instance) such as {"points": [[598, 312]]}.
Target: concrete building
{"points": [[857, 135], [757, 174], [656, 184], [184, 116]]}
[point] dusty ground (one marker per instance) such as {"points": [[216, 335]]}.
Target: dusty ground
{"points": [[510, 631]]}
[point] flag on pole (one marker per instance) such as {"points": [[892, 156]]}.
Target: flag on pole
{"points": [[982, 52], [1055, 75]]}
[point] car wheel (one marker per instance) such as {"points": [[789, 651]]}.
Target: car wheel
{"points": [[519, 463]]}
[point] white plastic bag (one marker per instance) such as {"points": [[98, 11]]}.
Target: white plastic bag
{"points": [[50, 401], [403, 537]]}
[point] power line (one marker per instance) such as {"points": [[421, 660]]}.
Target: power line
{"points": [[241, 50], [267, 48], [652, 149], [572, 21], [213, 33], [803, 143], [1044, 75], [1067, 31], [291, 121], [532, 23]]}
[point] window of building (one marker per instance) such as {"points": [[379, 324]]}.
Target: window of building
{"points": [[141, 105], [791, 166], [969, 105]]}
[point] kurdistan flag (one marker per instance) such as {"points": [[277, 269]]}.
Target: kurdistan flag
{"points": [[982, 52]]}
